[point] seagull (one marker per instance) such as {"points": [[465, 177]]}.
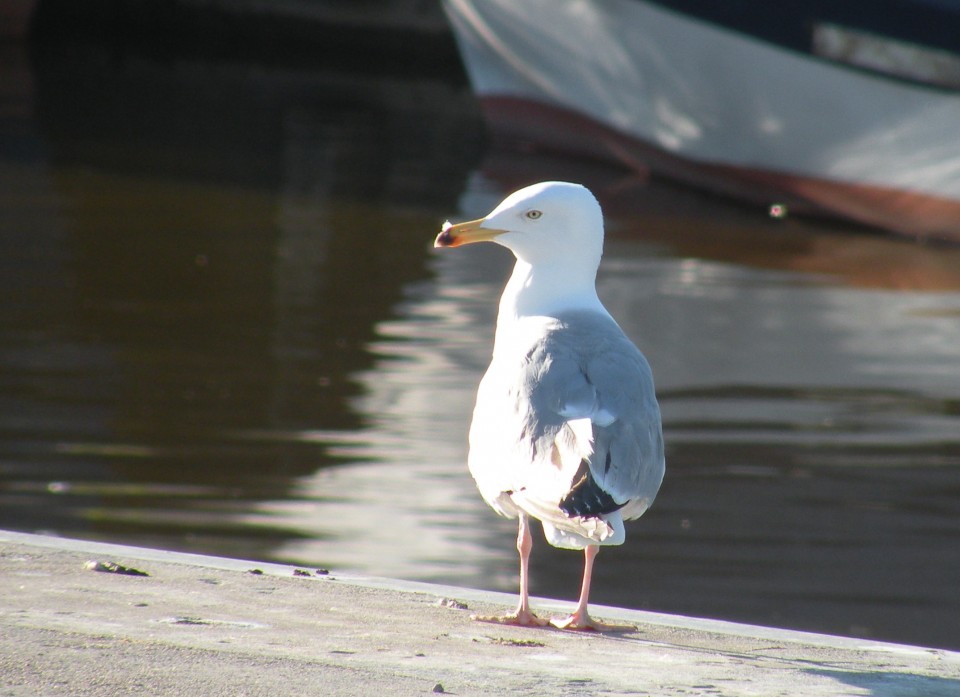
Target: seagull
{"points": [[566, 428]]}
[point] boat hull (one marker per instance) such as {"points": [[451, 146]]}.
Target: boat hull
{"points": [[630, 82]]}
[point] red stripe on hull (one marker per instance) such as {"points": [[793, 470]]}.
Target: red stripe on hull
{"points": [[522, 122]]}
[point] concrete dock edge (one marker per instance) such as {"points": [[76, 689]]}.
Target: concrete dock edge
{"points": [[210, 625]]}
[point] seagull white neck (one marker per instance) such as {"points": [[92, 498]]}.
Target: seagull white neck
{"points": [[546, 290]]}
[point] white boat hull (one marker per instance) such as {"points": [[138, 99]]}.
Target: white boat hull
{"points": [[629, 81]]}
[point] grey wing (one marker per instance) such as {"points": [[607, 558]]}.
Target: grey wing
{"points": [[598, 380]]}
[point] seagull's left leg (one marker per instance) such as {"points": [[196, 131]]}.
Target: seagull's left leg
{"points": [[580, 619], [524, 615]]}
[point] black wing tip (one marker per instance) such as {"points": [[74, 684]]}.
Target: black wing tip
{"points": [[587, 499]]}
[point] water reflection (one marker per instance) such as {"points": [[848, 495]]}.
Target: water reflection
{"points": [[225, 332], [198, 257]]}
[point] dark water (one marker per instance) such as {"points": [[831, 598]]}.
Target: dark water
{"points": [[224, 331]]}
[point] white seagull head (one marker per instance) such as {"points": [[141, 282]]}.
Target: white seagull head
{"points": [[541, 223]]}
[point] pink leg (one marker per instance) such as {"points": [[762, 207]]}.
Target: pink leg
{"points": [[524, 546], [580, 619], [523, 615]]}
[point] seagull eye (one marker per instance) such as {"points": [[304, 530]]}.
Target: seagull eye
{"points": [[533, 214]]}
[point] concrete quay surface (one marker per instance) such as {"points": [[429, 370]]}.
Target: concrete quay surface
{"points": [[199, 625]]}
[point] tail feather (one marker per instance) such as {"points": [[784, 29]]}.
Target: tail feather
{"points": [[587, 499], [585, 530]]}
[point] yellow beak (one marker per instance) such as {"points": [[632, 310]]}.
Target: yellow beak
{"points": [[465, 233]]}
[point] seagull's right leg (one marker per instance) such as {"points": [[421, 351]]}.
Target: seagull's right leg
{"points": [[523, 616]]}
